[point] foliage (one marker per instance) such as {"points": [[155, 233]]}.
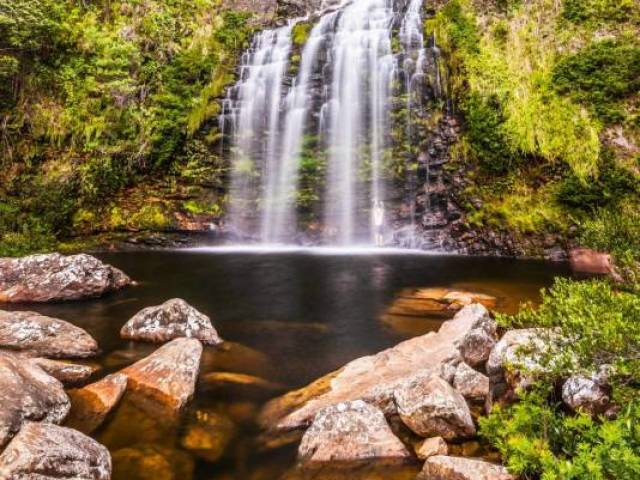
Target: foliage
{"points": [[300, 33], [601, 10], [600, 76], [593, 326]]}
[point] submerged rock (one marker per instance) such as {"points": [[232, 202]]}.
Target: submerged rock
{"points": [[350, 432], [54, 277], [441, 467], [36, 334], [70, 374], [48, 452], [91, 405], [240, 384], [173, 319], [152, 462], [168, 376], [27, 393], [373, 378], [439, 302], [429, 406], [208, 434]]}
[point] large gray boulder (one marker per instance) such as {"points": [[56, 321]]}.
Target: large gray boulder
{"points": [[27, 393], [36, 334], [48, 452], [54, 277], [374, 378], [441, 467], [173, 319], [430, 407], [168, 376], [350, 432]]}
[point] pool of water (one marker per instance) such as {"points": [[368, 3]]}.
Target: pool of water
{"points": [[289, 315]]}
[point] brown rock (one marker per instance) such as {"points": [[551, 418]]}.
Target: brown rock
{"points": [[240, 384], [27, 393], [43, 451], [208, 434], [70, 374], [152, 462], [168, 376], [237, 358], [477, 344], [373, 378], [173, 319], [585, 260], [431, 447], [435, 302], [350, 432], [470, 384], [36, 334], [429, 406], [54, 277], [456, 468], [91, 405]]}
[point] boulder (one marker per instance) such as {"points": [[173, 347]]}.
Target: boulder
{"points": [[91, 405], [350, 432], [430, 407], [173, 319], [588, 395], [27, 393], [54, 277], [477, 344], [441, 467], [373, 378], [471, 384], [430, 447], [36, 334], [435, 302], [48, 452], [168, 376], [70, 374], [585, 260], [208, 434]]}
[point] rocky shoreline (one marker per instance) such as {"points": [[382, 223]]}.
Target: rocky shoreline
{"points": [[415, 403]]}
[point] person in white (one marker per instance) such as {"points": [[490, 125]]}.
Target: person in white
{"points": [[378, 223]]}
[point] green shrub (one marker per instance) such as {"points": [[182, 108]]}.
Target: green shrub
{"points": [[600, 10], [600, 76]]}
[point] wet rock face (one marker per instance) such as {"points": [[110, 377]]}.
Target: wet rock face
{"points": [[90, 405], [441, 467], [36, 334], [350, 432], [54, 277], [374, 378], [588, 395], [168, 376], [173, 319], [27, 393], [49, 452], [429, 406]]}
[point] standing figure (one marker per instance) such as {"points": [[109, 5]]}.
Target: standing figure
{"points": [[378, 223]]}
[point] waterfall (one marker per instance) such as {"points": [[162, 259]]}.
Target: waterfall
{"points": [[339, 91]]}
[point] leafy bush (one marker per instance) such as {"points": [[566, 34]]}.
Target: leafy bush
{"points": [[600, 76], [600, 10]]}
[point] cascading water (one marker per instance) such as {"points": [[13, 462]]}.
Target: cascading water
{"points": [[340, 90]]}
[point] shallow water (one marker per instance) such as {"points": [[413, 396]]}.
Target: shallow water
{"points": [[290, 316]]}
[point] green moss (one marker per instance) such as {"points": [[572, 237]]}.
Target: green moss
{"points": [[601, 10], [149, 217], [196, 207], [300, 33]]}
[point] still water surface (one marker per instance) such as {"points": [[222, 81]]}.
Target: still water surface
{"points": [[289, 317]]}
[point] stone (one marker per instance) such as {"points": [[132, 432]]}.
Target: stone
{"points": [[90, 405], [586, 394], [430, 447], [168, 376], [152, 462], [208, 434], [173, 319], [54, 278], [372, 378], [27, 393], [441, 467], [477, 344], [350, 432], [429, 406], [238, 385], [435, 302], [237, 358], [472, 385], [585, 260], [38, 335], [43, 451], [70, 374]]}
